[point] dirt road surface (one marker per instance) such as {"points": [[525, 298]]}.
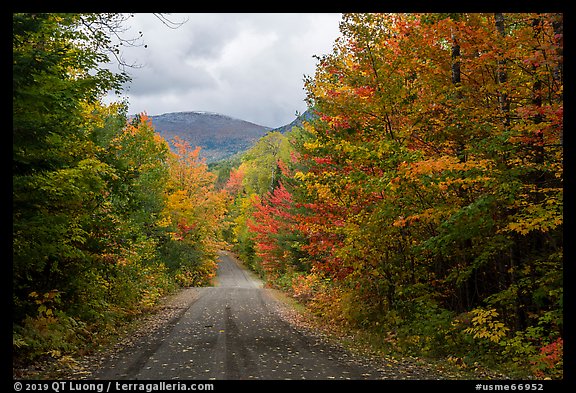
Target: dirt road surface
{"points": [[233, 330]]}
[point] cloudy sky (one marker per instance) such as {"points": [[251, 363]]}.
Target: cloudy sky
{"points": [[248, 66]]}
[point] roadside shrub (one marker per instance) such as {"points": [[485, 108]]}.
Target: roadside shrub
{"points": [[51, 332], [195, 276]]}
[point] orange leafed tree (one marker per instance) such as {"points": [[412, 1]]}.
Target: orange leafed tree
{"points": [[194, 208], [432, 176]]}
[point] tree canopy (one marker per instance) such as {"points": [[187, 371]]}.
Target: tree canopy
{"points": [[425, 200], [105, 218]]}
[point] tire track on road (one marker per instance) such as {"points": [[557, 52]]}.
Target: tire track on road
{"points": [[232, 331]]}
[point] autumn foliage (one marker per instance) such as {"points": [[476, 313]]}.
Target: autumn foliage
{"points": [[422, 203], [105, 218], [193, 211], [425, 199]]}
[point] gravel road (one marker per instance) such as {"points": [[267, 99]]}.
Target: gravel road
{"points": [[233, 330]]}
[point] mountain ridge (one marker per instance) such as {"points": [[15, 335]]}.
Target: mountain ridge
{"points": [[220, 136]]}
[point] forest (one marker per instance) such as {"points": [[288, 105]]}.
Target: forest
{"points": [[422, 203], [106, 219]]}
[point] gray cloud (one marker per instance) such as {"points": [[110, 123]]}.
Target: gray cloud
{"points": [[249, 66]]}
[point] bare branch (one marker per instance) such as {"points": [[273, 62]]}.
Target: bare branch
{"points": [[168, 22]]}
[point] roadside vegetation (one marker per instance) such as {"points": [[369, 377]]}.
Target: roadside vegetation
{"points": [[106, 219], [424, 203]]}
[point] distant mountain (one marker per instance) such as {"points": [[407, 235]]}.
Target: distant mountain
{"points": [[220, 136], [306, 116]]}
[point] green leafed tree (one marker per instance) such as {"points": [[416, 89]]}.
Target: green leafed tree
{"points": [[88, 186]]}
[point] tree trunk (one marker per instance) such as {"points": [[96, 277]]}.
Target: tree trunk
{"points": [[501, 75]]}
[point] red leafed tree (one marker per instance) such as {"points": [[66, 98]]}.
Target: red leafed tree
{"points": [[274, 225], [234, 183]]}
